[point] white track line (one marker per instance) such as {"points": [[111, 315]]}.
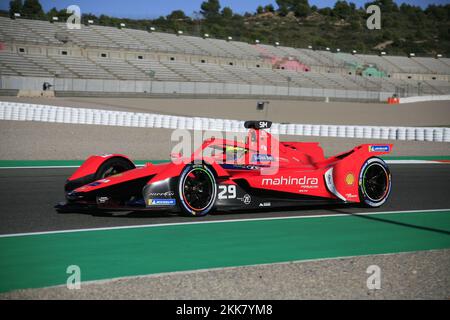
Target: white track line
{"points": [[219, 221]]}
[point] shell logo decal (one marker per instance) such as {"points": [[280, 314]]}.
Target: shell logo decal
{"points": [[350, 179]]}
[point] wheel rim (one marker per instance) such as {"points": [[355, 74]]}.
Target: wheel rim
{"points": [[197, 189], [375, 182]]}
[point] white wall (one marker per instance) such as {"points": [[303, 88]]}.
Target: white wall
{"points": [[200, 88], [424, 98]]}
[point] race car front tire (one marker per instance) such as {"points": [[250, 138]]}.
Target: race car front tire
{"points": [[197, 190], [374, 183], [112, 167]]}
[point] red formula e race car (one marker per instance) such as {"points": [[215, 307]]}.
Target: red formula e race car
{"points": [[222, 175]]}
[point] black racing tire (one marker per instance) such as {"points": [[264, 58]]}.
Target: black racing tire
{"points": [[196, 190], [117, 164], [375, 182], [113, 167]]}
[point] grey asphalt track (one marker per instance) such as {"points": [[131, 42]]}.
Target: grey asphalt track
{"points": [[28, 196]]}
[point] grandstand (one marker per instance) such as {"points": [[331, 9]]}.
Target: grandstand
{"points": [[44, 51]]}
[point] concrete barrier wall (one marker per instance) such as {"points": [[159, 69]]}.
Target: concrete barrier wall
{"points": [[193, 88], [32, 112], [424, 98]]}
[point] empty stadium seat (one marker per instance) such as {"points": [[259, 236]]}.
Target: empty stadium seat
{"points": [[199, 59]]}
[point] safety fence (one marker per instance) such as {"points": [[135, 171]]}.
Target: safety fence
{"points": [[46, 113]]}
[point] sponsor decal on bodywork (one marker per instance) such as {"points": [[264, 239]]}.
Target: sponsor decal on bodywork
{"points": [[102, 200], [161, 202], [379, 148], [162, 194], [350, 179], [246, 199], [304, 181], [262, 158]]}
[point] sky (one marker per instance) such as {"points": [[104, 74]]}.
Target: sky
{"points": [[156, 8]]}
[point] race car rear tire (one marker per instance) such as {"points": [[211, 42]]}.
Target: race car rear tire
{"points": [[374, 183], [197, 190], [112, 167]]}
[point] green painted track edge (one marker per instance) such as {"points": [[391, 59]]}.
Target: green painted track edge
{"points": [[41, 260]]}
